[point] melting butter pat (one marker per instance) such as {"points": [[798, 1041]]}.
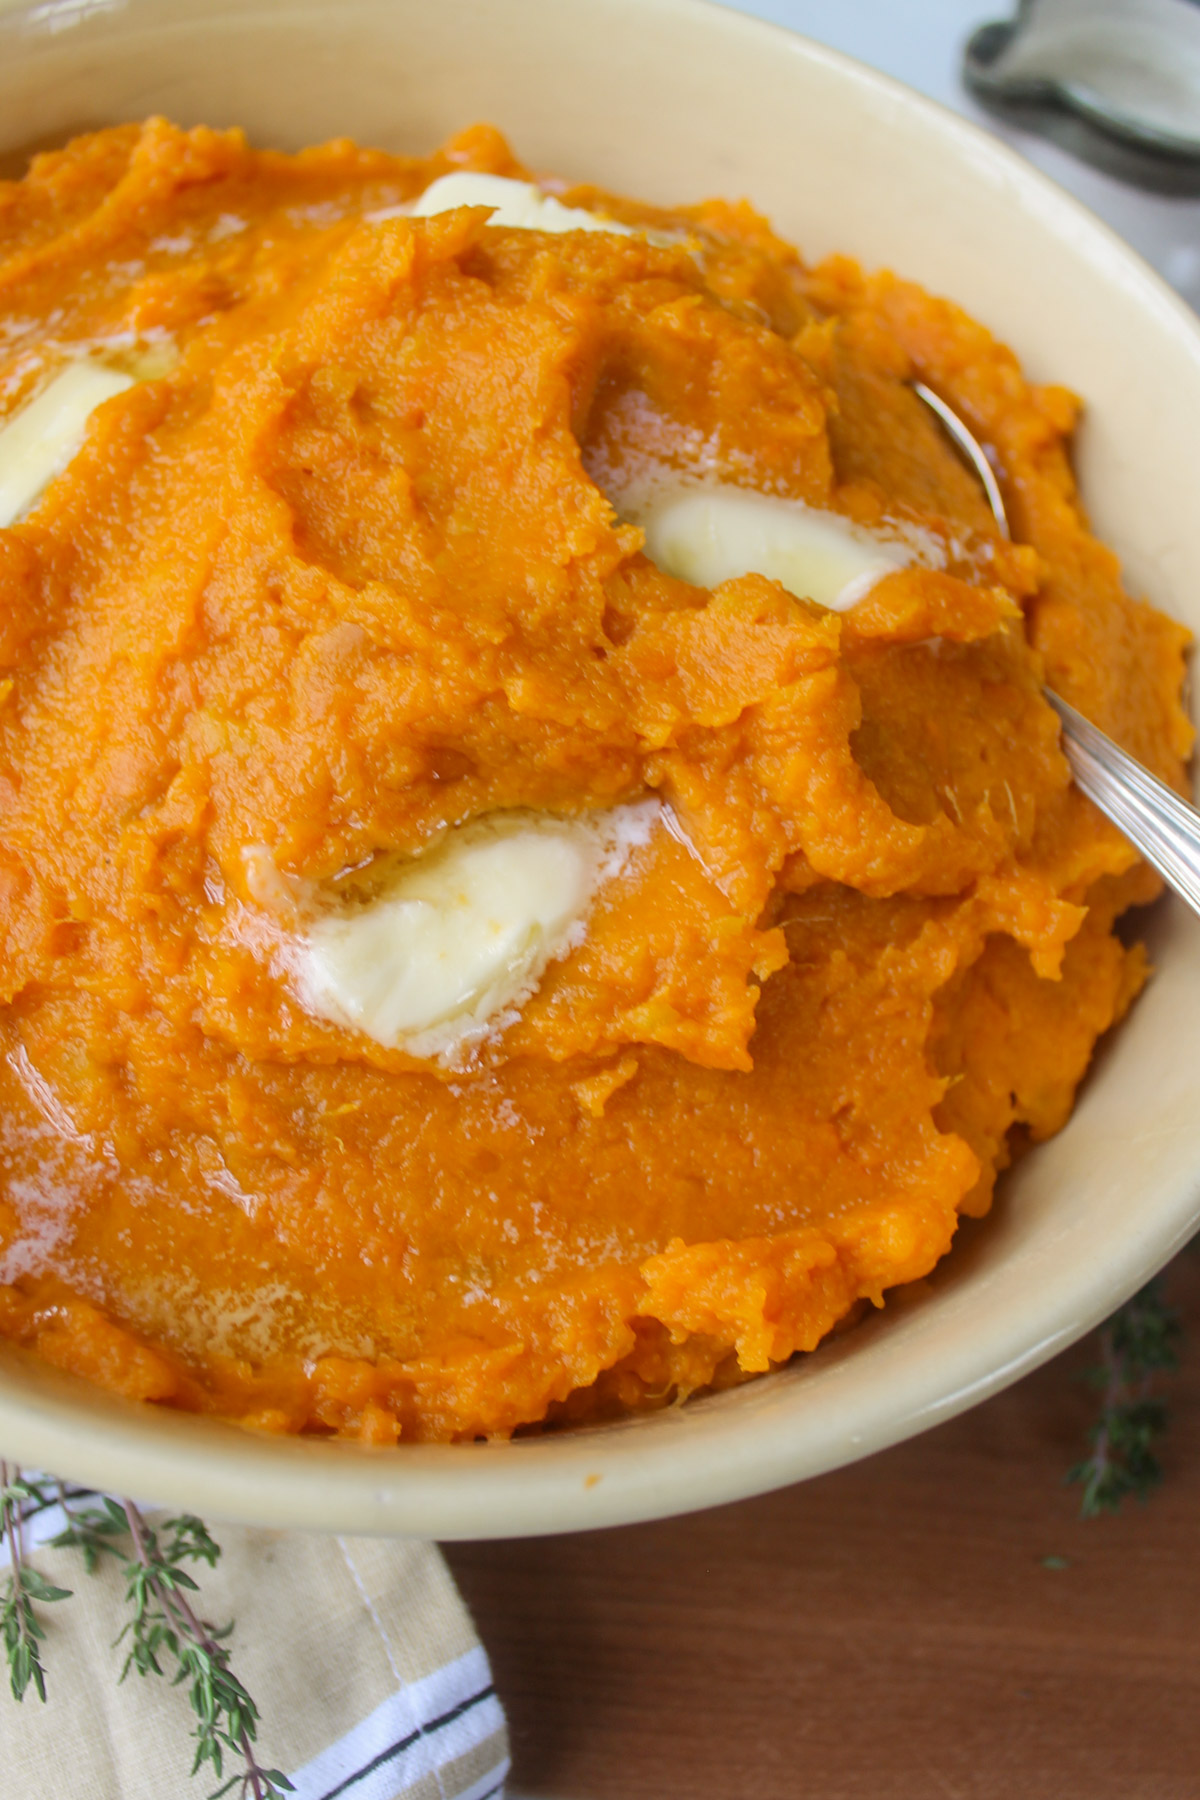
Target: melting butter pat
{"points": [[712, 532], [517, 204], [38, 442], [463, 934]]}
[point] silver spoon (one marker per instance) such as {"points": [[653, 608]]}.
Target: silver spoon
{"points": [[1150, 814]]}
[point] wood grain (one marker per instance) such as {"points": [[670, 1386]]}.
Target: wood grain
{"points": [[890, 1630]]}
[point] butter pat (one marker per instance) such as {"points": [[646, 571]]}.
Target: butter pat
{"points": [[517, 204], [712, 532], [42, 438], [462, 935]]}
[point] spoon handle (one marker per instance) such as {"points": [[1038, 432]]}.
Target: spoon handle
{"points": [[1150, 814]]}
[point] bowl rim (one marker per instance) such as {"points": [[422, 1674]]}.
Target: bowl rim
{"points": [[662, 1464]]}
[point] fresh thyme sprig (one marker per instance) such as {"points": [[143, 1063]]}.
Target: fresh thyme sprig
{"points": [[20, 1626], [1137, 1345], [164, 1634], [164, 1623]]}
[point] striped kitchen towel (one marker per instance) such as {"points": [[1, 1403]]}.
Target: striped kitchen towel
{"points": [[359, 1652]]}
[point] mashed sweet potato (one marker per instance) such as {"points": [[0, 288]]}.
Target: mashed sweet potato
{"points": [[341, 571]]}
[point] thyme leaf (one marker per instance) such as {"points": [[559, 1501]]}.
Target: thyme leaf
{"points": [[90, 1531], [1137, 1346]]}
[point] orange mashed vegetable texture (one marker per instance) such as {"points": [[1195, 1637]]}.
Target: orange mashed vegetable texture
{"points": [[342, 573]]}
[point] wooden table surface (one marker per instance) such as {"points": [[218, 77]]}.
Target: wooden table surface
{"points": [[891, 1631]]}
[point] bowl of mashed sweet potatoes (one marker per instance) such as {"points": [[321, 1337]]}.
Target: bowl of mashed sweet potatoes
{"points": [[553, 970]]}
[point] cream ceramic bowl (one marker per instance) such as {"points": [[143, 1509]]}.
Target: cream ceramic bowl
{"points": [[675, 100]]}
